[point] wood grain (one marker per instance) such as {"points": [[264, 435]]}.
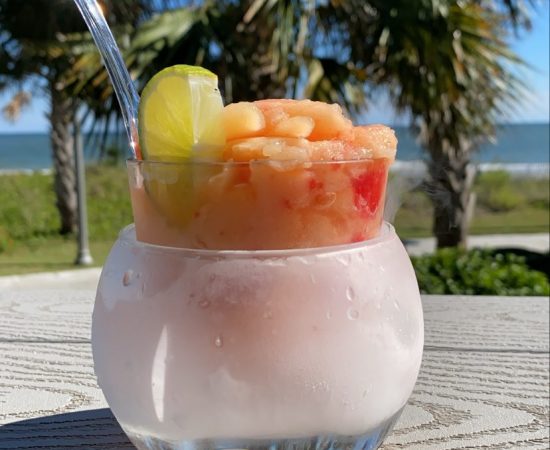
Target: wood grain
{"points": [[46, 316], [484, 382], [486, 323]]}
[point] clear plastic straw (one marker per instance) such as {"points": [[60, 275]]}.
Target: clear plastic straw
{"points": [[123, 85]]}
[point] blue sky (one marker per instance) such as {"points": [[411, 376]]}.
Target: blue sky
{"points": [[532, 46]]}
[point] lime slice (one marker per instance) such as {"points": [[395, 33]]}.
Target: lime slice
{"points": [[180, 114]]}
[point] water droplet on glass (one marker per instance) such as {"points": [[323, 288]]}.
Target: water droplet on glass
{"points": [[267, 315], [353, 314], [312, 278], [204, 304], [329, 315], [350, 294], [127, 277], [396, 305], [218, 342]]}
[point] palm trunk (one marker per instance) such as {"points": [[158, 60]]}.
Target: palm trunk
{"points": [[61, 115], [450, 189]]}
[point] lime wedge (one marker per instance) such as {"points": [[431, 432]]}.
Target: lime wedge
{"points": [[180, 114]]}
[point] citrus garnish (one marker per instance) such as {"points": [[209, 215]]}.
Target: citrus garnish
{"points": [[180, 109]]}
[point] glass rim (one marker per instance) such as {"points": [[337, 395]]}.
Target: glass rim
{"points": [[133, 162], [387, 232]]}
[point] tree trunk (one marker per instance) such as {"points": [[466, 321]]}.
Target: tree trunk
{"points": [[61, 115], [450, 189]]}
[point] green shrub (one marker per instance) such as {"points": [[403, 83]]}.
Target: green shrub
{"points": [[6, 242], [109, 207], [27, 206], [478, 272], [28, 213], [497, 192]]}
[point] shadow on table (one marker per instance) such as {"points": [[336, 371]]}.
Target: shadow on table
{"points": [[96, 428]]}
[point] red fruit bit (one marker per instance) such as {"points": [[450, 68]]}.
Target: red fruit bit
{"points": [[357, 237], [314, 184], [242, 175], [369, 187]]}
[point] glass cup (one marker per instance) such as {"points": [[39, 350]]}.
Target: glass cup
{"points": [[261, 337]]}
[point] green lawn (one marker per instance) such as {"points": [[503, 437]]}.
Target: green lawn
{"points": [[49, 255], [28, 217]]}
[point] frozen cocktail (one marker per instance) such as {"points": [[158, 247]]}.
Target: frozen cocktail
{"points": [[259, 301]]}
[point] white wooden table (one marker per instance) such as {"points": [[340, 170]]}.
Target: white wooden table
{"points": [[484, 382]]}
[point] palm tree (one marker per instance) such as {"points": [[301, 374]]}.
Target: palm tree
{"points": [[34, 52], [445, 63]]}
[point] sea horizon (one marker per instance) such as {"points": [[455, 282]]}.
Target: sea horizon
{"points": [[501, 124], [517, 143]]}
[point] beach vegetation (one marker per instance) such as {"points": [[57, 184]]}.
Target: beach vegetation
{"points": [[454, 271], [496, 192], [29, 241]]}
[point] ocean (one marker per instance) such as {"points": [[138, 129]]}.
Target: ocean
{"points": [[518, 143]]}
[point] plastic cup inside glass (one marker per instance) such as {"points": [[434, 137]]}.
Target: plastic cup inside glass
{"points": [[258, 205]]}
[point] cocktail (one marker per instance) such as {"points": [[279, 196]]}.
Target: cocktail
{"points": [[259, 301]]}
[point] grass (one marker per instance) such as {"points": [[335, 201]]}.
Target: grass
{"points": [[504, 205], [28, 218], [49, 255], [29, 241]]}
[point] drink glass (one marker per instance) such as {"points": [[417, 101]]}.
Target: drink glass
{"points": [[253, 308]]}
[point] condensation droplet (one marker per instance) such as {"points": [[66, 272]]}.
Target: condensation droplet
{"points": [[353, 314], [312, 278], [396, 305], [204, 304], [350, 294], [127, 277], [267, 315], [218, 342], [329, 315]]}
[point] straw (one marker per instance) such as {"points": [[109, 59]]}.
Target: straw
{"points": [[125, 91]]}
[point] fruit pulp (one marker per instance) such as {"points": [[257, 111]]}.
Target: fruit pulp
{"points": [[258, 205]]}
